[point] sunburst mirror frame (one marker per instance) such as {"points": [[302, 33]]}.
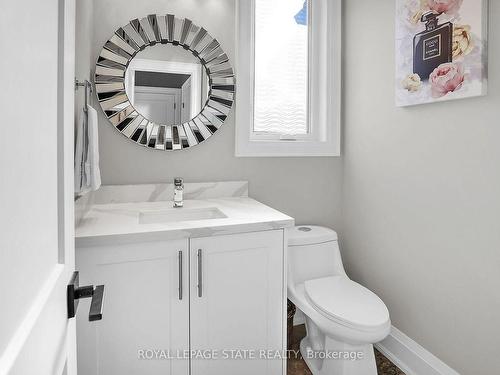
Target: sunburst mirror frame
{"points": [[134, 37]]}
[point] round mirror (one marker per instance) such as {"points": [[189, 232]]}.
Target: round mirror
{"points": [[164, 82]]}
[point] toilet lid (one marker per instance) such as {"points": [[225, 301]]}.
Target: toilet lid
{"points": [[347, 302]]}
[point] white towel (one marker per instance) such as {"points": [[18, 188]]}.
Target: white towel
{"points": [[87, 172], [92, 165], [80, 154]]}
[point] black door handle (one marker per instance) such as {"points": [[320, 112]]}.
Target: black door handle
{"points": [[75, 292], [96, 305]]}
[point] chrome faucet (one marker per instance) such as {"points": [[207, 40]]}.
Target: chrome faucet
{"points": [[178, 192]]}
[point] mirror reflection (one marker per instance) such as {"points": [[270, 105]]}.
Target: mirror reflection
{"points": [[167, 84]]}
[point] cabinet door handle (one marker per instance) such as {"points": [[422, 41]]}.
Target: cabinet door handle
{"points": [[200, 275], [180, 275]]}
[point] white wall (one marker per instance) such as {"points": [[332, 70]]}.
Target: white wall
{"points": [[422, 197], [306, 188]]}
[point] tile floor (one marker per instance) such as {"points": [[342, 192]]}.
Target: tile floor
{"points": [[297, 366]]}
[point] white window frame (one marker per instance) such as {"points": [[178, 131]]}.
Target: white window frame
{"points": [[324, 97]]}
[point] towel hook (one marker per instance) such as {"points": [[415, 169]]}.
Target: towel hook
{"points": [[88, 89]]}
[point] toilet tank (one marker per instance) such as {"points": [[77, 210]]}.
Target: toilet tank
{"points": [[313, 252]]}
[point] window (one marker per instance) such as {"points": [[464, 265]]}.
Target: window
{"points": [[281, 67], [288, 78]]}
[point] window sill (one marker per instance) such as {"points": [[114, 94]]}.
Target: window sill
{"points": [[286, 149]]}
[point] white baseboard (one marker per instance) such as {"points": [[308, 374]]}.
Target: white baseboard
{"points": [[410, 357], [405, 353]]}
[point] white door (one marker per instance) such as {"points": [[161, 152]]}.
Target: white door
{"points": [[186, 113], [237, 302], [36, 200], [158, 104], [145, 325]]}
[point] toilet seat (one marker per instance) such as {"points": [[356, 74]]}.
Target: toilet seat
{"points": [[346, 302]]}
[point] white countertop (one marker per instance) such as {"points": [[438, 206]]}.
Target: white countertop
{"points": [[120, 221]]}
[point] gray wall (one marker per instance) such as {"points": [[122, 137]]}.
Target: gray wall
{"points": [[420, 185], [306, 188], [83, 47], [84, 42], [422, 197]]}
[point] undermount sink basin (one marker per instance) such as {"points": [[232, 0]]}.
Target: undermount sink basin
{"points": [[173, 215]]}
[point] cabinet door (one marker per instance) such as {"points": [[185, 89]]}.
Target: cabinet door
{"points": [[237, 303], [144, 320]]}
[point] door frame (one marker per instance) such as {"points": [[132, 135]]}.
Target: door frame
{"points": [[192, 108]]}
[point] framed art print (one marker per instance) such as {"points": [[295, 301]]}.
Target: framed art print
{"points": [[441, 50]]}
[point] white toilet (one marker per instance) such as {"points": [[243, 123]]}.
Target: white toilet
{"points": [[343, 318]]}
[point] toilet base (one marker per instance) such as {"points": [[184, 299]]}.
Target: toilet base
{"points": [[338, 358]]}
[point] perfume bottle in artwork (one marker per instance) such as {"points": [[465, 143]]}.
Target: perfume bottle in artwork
{"points": [[441, 50], [433, 46]]}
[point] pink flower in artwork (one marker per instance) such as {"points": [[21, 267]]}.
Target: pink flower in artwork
{"points": [[448, 77], [445, 6]]}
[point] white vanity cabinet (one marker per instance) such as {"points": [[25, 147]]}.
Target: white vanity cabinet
{"points": [[237, 302], [227, 297], [143, 308]]}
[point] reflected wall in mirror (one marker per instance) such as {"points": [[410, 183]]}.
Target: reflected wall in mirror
{"points": [[164, 82]]}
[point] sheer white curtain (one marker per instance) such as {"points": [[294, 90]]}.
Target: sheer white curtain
{"points": [[281, 67]]}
